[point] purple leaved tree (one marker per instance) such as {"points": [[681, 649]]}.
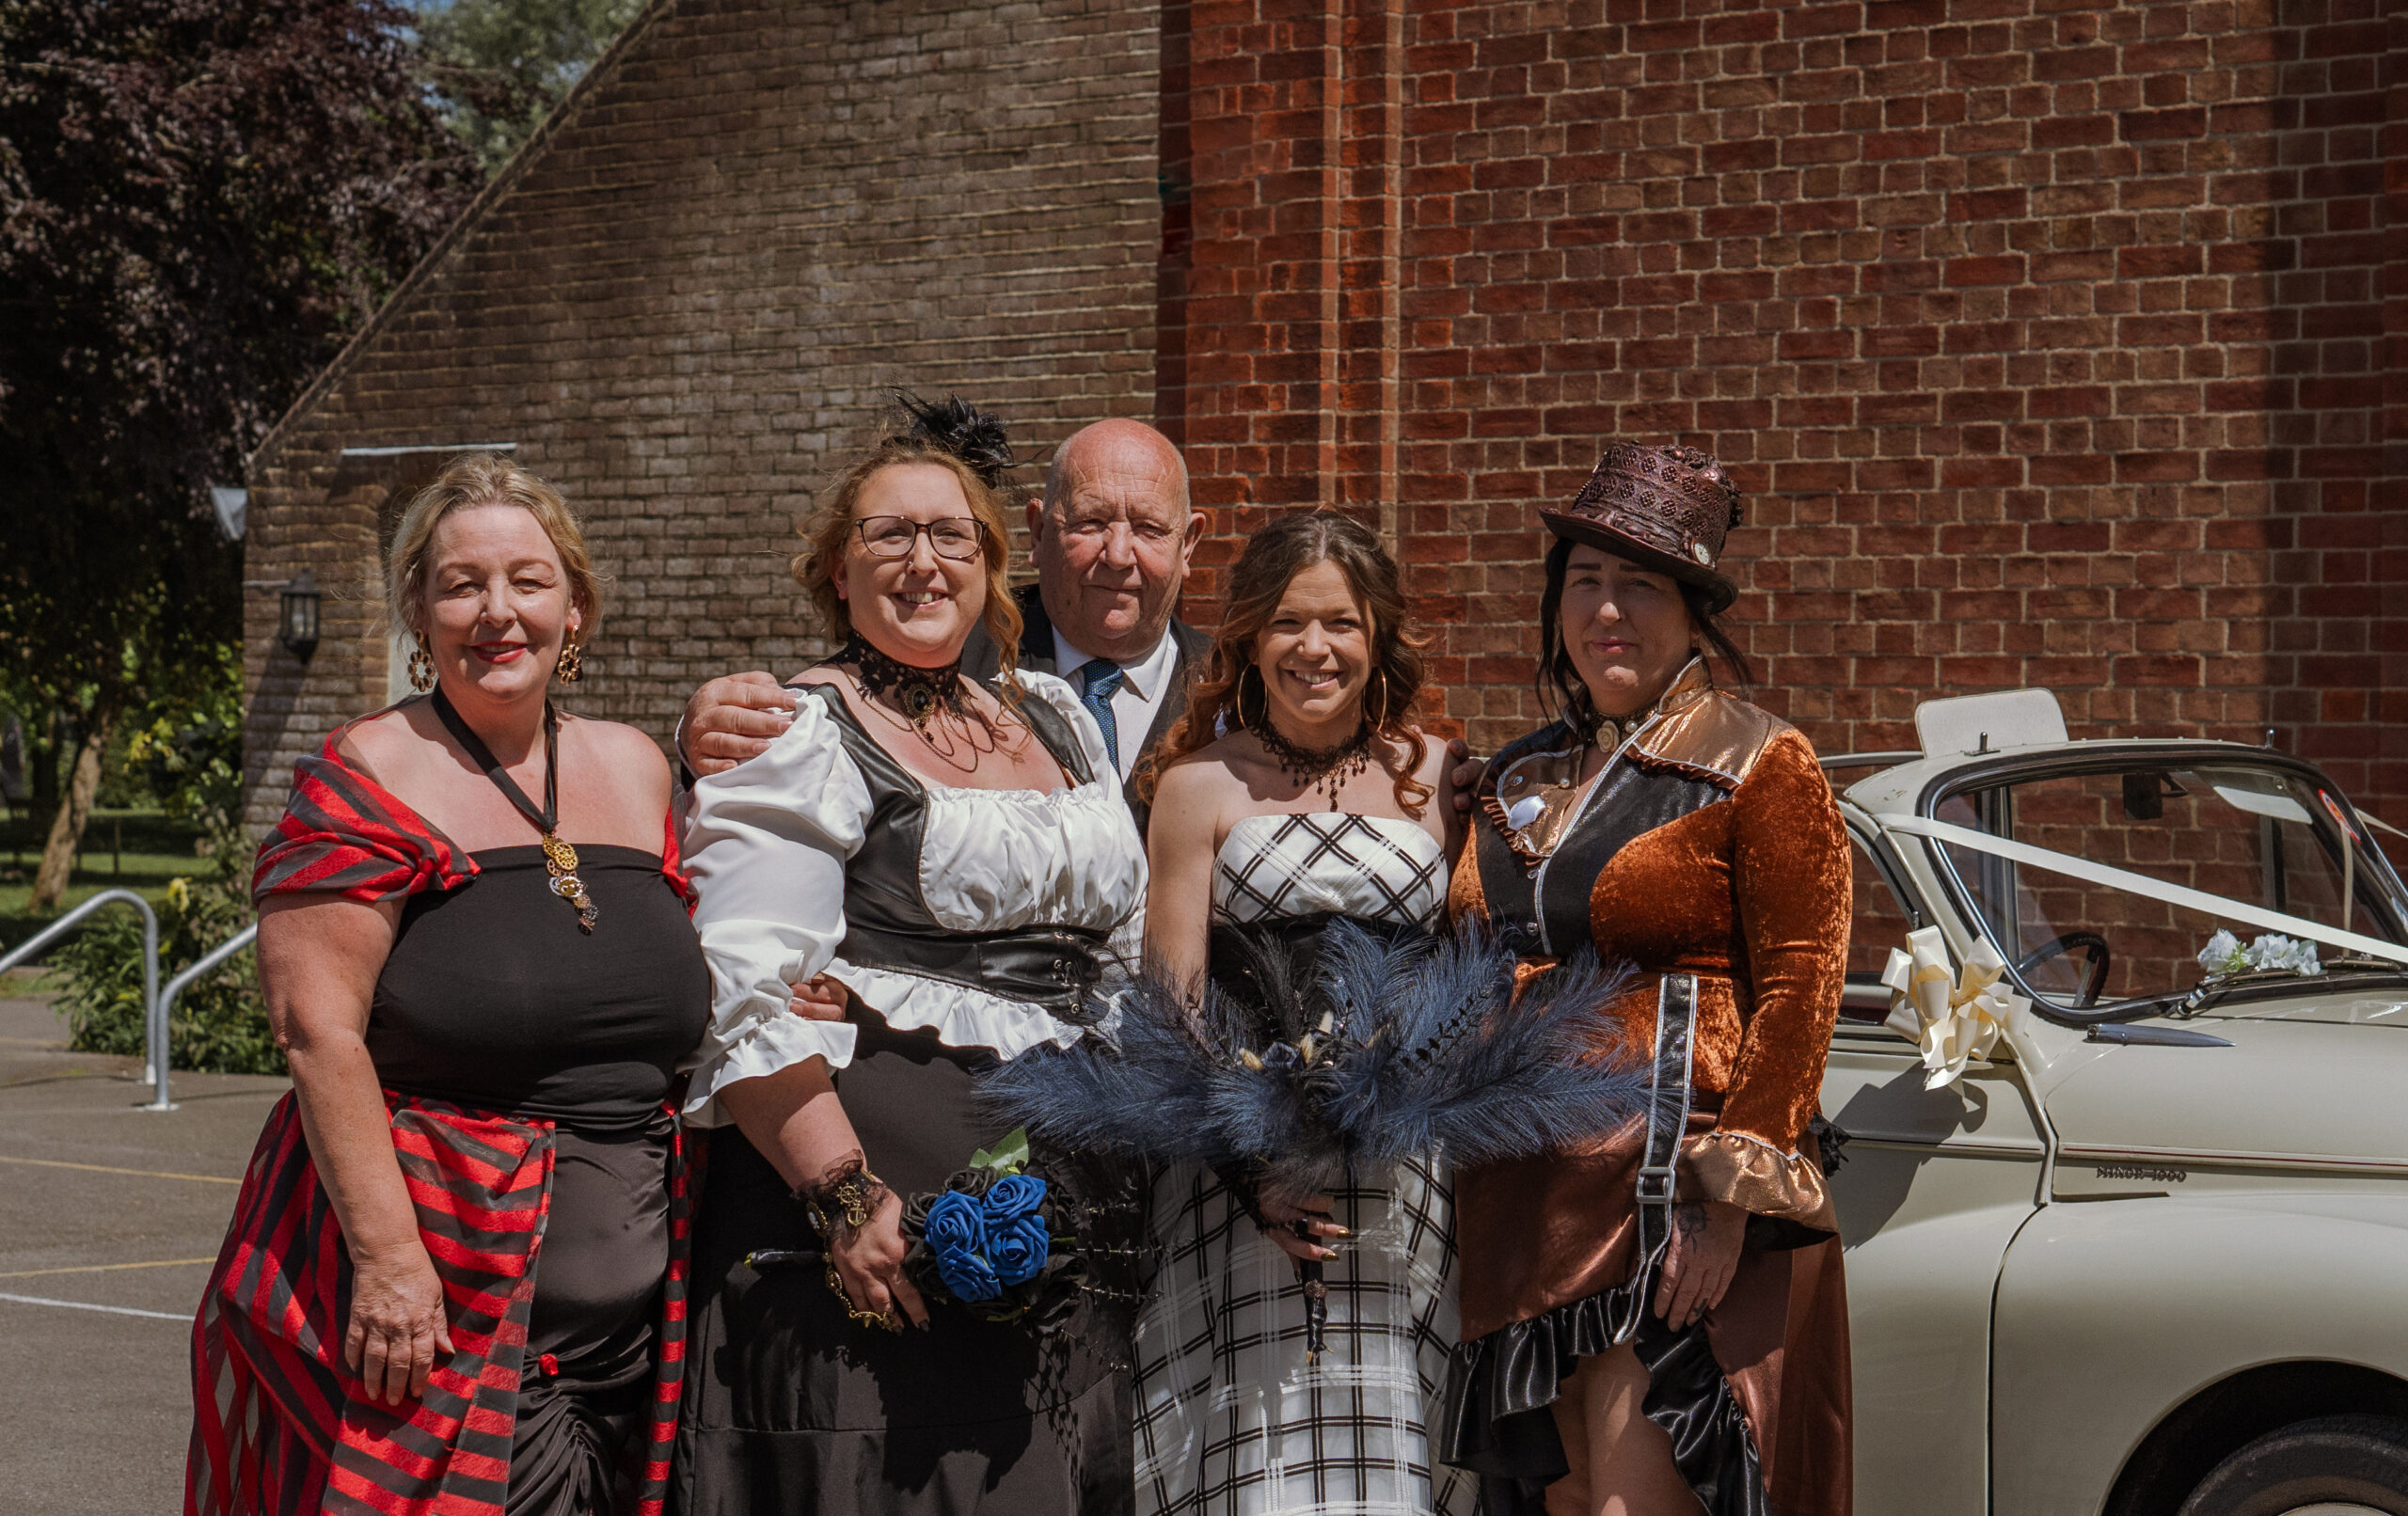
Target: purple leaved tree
{"points": [[200, 200]]}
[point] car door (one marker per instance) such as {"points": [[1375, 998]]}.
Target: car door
{"points": [[1934, 1186]]}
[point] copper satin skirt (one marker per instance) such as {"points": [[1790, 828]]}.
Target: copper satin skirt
{"points": [[1755, 1398]]}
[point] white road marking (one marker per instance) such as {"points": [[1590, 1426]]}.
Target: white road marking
{"points": [[105, 1268], [87, 1305], [102, 1168]]}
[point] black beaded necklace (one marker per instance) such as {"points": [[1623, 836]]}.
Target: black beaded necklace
{"points": [[918, 693], [560, 859], [1328, 769]]}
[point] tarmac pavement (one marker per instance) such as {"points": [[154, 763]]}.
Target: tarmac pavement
{"points": [[110, 1216]]}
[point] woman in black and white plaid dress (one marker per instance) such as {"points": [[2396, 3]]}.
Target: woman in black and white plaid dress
{"points": [[1295, 793]]}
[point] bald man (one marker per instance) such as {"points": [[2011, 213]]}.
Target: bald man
{"points": [[1111, 540]]}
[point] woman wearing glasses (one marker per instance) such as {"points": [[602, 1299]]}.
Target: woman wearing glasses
{"points": [[952, 863]]}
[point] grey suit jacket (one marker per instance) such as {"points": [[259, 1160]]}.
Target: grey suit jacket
{"points": [[979, 661]]}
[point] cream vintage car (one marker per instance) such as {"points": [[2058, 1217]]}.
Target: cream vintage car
{"points": [[2139, 1246]]}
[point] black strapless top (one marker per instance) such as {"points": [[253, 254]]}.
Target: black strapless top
{"points": [[494, 998]]}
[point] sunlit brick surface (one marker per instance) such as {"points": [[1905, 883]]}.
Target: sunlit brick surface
{"points": [[684, 305], [2047, 340]]}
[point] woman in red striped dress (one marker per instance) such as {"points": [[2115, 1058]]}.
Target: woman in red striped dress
{"points": [[453, 1280]]}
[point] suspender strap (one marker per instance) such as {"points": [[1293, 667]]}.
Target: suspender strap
{"points": [[1668, 1120]]}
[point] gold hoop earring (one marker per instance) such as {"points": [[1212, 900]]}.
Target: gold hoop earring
{"points": [[571, 667], [421, 670], [1263, 700], [1380, 676]]}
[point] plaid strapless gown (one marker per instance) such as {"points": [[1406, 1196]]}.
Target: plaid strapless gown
{"points": [[1231, 1421]]}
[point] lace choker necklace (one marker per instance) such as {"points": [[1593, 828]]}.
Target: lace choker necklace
{"points": [[1326, 769], [918, 693]]}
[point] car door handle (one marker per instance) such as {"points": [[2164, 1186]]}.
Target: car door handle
{"points": [[2126, 1034]]}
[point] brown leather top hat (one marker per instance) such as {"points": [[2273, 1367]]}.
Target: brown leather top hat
{"points": [[1669, 508]]}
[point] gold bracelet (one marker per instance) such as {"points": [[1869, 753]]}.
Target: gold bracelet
{"points": [[860, 1317], [858, 1194]]}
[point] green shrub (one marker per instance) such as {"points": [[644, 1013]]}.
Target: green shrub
{"points": [[220, 1024]]}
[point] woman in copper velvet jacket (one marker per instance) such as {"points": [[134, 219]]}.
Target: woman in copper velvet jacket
{"points": [[1659, 1321]]}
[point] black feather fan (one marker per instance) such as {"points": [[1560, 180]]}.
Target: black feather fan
{"points": [[961, 428], [1380, 1048]]}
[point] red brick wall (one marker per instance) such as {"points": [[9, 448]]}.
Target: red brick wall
{"points": [[685, 305], [2048, 342]]}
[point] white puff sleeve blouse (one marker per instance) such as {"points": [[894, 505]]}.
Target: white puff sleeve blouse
{"points": [[770, 843]]}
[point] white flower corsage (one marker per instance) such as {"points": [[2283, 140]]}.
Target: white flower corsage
{"points": [[2270, 953]]}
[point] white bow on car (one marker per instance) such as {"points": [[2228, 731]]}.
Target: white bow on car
{"points": [[1952, 1024]]}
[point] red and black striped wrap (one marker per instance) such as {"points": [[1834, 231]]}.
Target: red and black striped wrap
{"points": [[342, 833], [281, 1428]]}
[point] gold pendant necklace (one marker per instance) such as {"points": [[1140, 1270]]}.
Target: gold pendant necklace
{"points": [[560, 860]]}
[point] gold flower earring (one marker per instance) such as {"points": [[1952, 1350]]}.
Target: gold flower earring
{"points": [[571, 667], [421, 670]]}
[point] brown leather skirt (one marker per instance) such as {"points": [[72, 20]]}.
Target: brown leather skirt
{"points": [[1755, 1398]]}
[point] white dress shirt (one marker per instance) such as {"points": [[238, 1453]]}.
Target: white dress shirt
{"points": [[1139, 699]]}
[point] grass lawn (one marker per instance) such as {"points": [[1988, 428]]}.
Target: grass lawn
{"points": [[139, 850]]}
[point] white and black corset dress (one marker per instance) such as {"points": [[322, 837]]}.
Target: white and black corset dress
{"points": [[1232, 1420], [969, 927]]}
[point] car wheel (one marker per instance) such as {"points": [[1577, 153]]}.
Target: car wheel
{"points": [[2330, 1466]]}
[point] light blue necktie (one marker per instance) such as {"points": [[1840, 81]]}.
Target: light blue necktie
{"points": [[1099, 680]]}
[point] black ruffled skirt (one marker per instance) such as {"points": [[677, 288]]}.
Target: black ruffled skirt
{"points": [[1754, 1396], [791, 1408], [1497, 1420]]}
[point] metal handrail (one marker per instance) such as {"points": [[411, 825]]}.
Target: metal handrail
{"points": [[154, 1026], [176, 986]]}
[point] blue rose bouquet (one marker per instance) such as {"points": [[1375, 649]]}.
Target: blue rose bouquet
{"points": [[999, 1240]]}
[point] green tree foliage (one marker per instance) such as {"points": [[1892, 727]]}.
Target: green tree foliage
{"points": [[219, 1026], [200, 200], [182, 748], [502, 65]]}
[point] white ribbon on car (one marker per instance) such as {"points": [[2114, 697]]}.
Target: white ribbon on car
{"points": [[2140, 884], [1954, 1024]]}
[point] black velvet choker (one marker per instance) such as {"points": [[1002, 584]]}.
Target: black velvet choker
{"points": [[918, 693]]}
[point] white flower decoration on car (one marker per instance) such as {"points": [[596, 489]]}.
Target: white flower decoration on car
{"points": [[1952, 1024], [2269, 954]]}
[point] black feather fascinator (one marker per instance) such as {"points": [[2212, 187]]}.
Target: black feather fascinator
{"points": [[1306, 1067], [954, 425]]}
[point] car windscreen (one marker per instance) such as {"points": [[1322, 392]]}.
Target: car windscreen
{"points": [[2261, 835]]}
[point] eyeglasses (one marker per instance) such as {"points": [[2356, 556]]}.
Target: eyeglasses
{"points": [[954, 537]]}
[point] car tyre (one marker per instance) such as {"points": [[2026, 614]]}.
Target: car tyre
{"points": [[2354, 1462]]}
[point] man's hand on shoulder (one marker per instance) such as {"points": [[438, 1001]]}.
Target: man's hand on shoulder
{"points": [[1465, 776], [734, 718]]}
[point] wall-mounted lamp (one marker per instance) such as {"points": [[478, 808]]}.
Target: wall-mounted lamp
{"points": [[296, 621]]}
